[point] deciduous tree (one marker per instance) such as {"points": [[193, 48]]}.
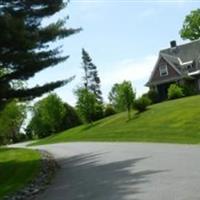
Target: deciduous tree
{"points": [[11, 120], [191, 26], [86, 104], [48, 116], [122, 96]]}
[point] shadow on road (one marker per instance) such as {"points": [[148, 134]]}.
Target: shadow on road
{"points": [[83, 177]]}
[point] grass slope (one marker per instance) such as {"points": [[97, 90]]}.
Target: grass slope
{"points": [[176, 121], [17, 167]]}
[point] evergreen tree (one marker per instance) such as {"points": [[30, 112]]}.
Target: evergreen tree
{"points": [[91, 78], [25, 45]]}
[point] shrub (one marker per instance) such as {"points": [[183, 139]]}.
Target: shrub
{"points": [[175, 91], [142, 103], [22, 137], [188, 90], [109, 110], [71, 118], [153, 96], [98, 114]]}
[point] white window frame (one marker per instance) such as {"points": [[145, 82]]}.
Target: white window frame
{"points": [[163, 70]]}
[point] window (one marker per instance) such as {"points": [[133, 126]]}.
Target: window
{"points": [[189, 67], [163, 70]]}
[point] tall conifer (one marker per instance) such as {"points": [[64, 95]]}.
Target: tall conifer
{"points": [[91, 77], [25, 45]]}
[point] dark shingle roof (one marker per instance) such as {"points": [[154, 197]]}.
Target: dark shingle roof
{"points": [[186, 52], [185, 59]]}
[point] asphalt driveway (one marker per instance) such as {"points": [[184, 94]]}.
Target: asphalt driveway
{"points": [[125, 171]]}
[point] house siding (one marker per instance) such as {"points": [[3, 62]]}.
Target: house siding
{"points": [[172, 73], [197, 83]]}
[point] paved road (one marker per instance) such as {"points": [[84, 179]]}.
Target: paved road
{"points": [[125, 171]]}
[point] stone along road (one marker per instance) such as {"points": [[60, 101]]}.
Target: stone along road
{"points": [[124, 171]]}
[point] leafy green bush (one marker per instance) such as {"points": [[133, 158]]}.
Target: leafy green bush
{"points": [[188, 90], [175, 91], [109, 110], [142, 103], [153, 96]]}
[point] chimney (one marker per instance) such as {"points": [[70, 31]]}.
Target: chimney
{"points": [[173, 43]]}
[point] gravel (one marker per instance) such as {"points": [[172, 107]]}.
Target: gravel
{"points": [[40, 183]]}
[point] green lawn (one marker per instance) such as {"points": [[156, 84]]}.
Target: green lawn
{"points": [[17, 167], [176, 121]]}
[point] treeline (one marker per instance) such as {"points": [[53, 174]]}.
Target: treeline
{"points": [[51, 115], [25, 50]]}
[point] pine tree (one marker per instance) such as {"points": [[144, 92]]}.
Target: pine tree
{"points": [[25, 45], [91, 78], [86, 62]]}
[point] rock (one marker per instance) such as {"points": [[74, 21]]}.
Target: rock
{"points": [[48, 169]]}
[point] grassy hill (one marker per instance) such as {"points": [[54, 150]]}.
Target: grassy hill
{"points": [[176, 121]]}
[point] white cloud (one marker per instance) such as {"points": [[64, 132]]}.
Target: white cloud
{"points": [[130, 69], [137, 71]]}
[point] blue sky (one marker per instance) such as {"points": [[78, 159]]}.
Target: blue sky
{"points": [[123, 37]]}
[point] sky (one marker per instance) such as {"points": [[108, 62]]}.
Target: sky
{"points": [[123, 38]]}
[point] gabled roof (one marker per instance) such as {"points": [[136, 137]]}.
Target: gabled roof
{"points": [[169, 61], [179, 57], [185, 52], [173, 61]]}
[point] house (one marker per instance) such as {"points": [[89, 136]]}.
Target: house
{"points": [[178, 64]]}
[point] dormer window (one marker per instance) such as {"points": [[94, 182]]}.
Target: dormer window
{"points": [[163, 70], [190, 67]]}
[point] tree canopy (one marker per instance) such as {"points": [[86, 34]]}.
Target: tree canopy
{"points": [[25, 45], [50, 116], [191, 26], [86, 104], [11, 120], [122, 96]]}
